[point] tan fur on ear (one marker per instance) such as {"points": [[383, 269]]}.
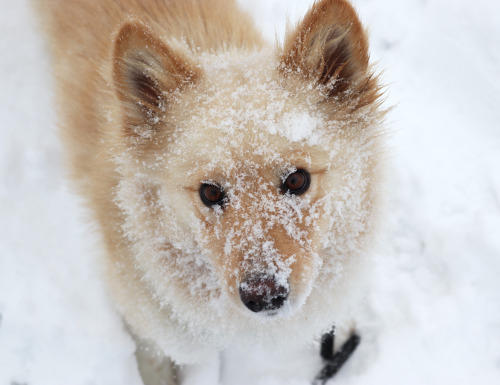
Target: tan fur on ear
{"points": [[330, 46], [147, 73]]}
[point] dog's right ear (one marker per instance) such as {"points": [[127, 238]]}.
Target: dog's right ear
{"points": [[147, 74]]}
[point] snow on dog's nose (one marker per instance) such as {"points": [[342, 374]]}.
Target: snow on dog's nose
{"points": [[263, 292]]}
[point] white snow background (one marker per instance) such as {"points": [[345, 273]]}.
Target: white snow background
{"points": [[433, 313]]}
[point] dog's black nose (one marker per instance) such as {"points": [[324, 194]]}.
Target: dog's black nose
{"points": [[262, 292]]}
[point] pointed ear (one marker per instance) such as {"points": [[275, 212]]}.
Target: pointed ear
{"points": [[147, 74], [330, 47]]}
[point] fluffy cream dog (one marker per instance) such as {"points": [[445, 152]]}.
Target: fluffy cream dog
{"points": [[235, 185]]}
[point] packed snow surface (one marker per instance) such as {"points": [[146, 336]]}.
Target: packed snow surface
{"points": [[432, 315]]}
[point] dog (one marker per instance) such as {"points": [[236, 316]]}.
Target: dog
{"points": [[236, 186]]}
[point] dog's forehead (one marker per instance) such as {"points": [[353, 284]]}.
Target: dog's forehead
{"points": [[239, 93], [261, 160], [242, 114]]}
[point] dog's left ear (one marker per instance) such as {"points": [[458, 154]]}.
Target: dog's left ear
{"points": [[330, 47], [147, 75]]}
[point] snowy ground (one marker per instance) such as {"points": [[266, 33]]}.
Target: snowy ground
{"points": [[434, 310]]}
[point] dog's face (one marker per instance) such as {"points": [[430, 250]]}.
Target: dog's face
{"points": [[253, 183], [250, 181]]}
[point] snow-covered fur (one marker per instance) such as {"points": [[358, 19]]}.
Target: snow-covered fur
{"points": [[159, 98]]}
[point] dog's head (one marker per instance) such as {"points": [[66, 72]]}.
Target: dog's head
{"points": [[248, 178]]}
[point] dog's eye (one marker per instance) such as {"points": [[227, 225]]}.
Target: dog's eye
{"points": [[297, 182], [211, 194]]}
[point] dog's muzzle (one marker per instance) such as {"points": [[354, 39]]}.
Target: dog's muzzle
{"points": [[263, 292]]}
